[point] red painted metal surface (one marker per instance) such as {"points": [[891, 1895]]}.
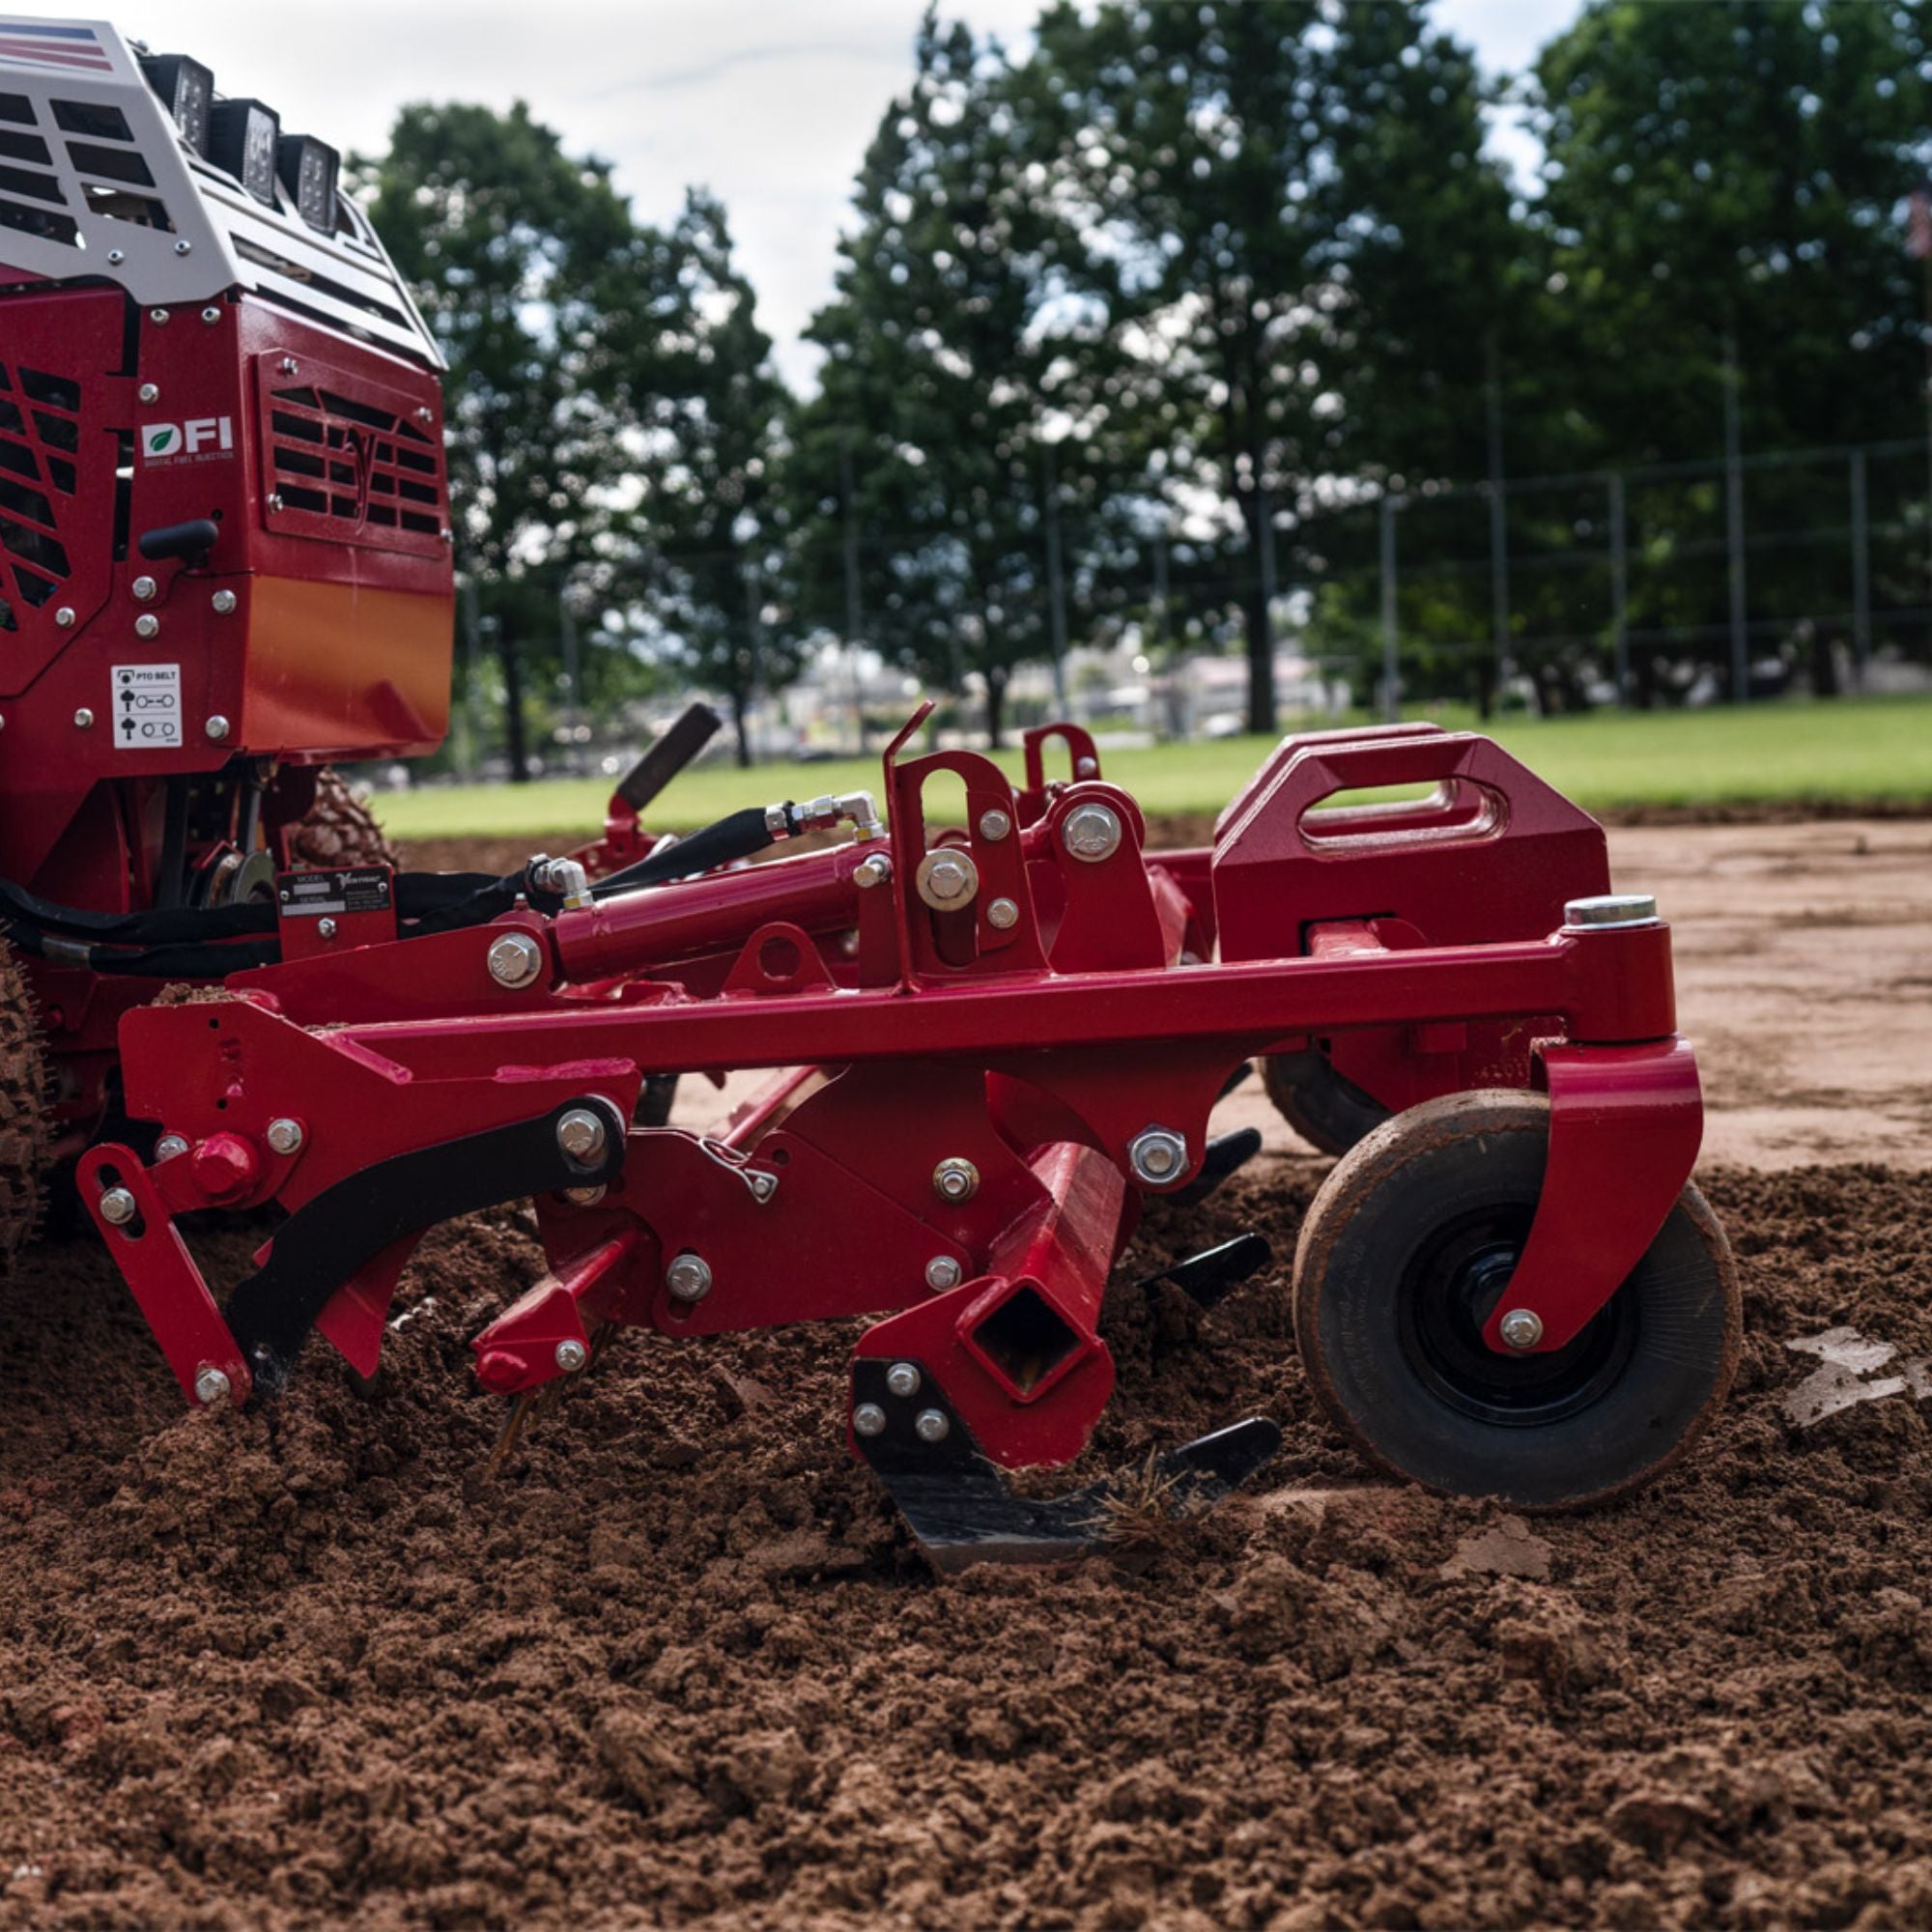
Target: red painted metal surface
{"points": [[1625, 1123]]}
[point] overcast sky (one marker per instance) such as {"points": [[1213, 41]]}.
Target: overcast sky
{"points": [[769, 103]]}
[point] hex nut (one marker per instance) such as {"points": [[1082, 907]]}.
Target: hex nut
{"points": [[285, 1136], [585, 1197], [868, 1419], [571, 1354], [1092, 834], [942, 1273], [515, 959], [210, 1385], [687, 1278], [1522, 1328], [947, 879], [1606, 912], [1158, 1155], [932, 1426], [903, 1379], [955, 1179], [118, 1206], [581, 1134], [1003, 915]]}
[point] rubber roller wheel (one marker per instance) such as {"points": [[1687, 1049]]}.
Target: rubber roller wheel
{"points": [[24, 1130], [1406, 1253], [1328, 1111]]}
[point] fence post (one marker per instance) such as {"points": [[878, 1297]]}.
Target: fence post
{"points": [[1620, 641], [1734, 526], [1391, 673], [1860, 573]]}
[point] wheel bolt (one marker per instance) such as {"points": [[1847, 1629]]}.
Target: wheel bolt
{"points": [[1522, 1328]]}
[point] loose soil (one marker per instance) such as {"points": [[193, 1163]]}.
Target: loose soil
{"points": [[679, 1665]]}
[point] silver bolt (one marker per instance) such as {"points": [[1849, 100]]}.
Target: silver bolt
{"points": [[424, 414], [118, 1206], [689, 1277], [275, 500], [285, 1136], [144, 589], [216, 728], [184, 248], [571, 1356], [1608, 911], [904, 1379], [151, 393], [1003, 914], [210, 1385], [170, 1147], [1086, 768], [581, 1134], [955, 1179], [210, 315], [872, 872], [868, 1419], [947, 878], [994, 826], [585, 1197], [63, 618], [1522, 1328], [289, 366], [82, 719], [1158, 1155], [1092, 833], [147, 625], [932, 1426], [943, 1272], [515, 959], [158, 317], [115, 256], [326, 928], [222, 602]]}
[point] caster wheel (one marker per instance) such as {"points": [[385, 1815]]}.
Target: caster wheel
{"points": [[1405, 1255], [1328, 1112]]}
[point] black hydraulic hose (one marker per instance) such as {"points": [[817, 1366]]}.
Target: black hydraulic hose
{"points": [[740, 835]]}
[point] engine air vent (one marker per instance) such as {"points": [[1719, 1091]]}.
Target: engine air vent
{"points": [[351, 461], [40, 433]]}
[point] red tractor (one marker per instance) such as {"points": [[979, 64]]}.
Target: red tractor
{"points": [[226, 561]]}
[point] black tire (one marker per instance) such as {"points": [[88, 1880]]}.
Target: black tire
{"points": [[1405, 1254], [25, 1128], [1328, 1112]]}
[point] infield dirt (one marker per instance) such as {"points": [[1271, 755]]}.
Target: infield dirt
{"points": [[677, 1663]]}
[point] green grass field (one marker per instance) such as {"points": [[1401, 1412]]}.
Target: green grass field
{"points": [[1865, 750]]}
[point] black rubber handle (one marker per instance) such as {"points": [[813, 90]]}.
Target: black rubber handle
{"points": [[189, 542], [666, 757]]}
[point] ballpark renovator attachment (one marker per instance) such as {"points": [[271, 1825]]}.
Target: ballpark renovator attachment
{"points": [[225, 562]]}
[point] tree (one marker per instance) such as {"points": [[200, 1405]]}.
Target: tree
{"points": [[1269, 185], [700, 387], [948, 427], [524, 261], [1720, 205]]}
